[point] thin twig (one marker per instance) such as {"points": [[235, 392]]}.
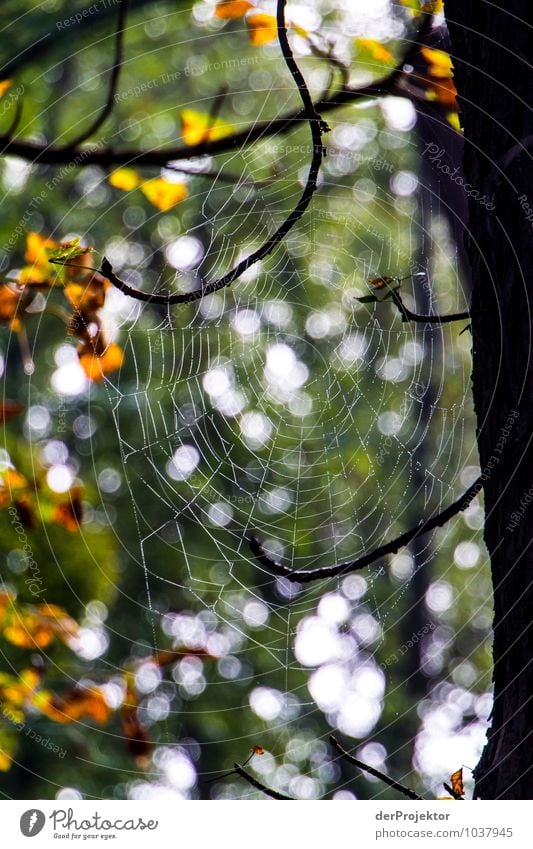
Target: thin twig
{"points": [[305, 576], [107, 156], [375, 772], [262, 787], [113, 82], [407, 315], [317, 127]]}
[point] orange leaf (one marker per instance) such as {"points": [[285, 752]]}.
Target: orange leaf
{"points": [[78, 704], [10, 303], [457, 782], [12, 486], [162, 194], [231, 9], [262, 28], [135, 734], [69, 514], [5, 85], [95, 364]]}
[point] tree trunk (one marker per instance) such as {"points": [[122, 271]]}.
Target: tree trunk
{"points": [[490, 50]]}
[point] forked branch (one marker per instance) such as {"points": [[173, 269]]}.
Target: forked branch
{"points": [[317, 127], [113, 81], [306, 576], [408, 315], [401, 788], [262, 787]]}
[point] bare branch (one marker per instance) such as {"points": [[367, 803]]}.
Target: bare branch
{"points": [[375, 772], [113, 82], [262, 787], [108, 156], [317, 126], [407, 315], [305, 576]]}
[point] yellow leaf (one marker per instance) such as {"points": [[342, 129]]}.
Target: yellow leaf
{"points": [[262, 28], [198, 127], [370, 49], [37, 247], [231, 9], [300, 30], [95, 364], [126, 179], [162, 194], [5, 85], [12, 486], [453, 120], [432, 7], [440, 63], [29, 632]]}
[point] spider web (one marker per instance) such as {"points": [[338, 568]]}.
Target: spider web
{"points": [[256, 414], [282, 407]]}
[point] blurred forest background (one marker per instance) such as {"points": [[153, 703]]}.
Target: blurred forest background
{"points": [[143, 649]]}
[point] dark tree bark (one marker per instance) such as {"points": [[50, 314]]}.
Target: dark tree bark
{"points": [[491, 47]]}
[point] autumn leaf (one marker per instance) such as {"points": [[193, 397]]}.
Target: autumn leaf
{"points": [[160, 192], [163, 194], [78, 704], [69, 514], [262, 28], [231, 9], [370, 50], [67, 251], [37, 627], [135, 733], [38, 250], [383, 286], [12, 486], [198, 127], [87, 298], [11, 302], [9, 410], [126, 179], [17, 692], [97, 364], [457, 782]]}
